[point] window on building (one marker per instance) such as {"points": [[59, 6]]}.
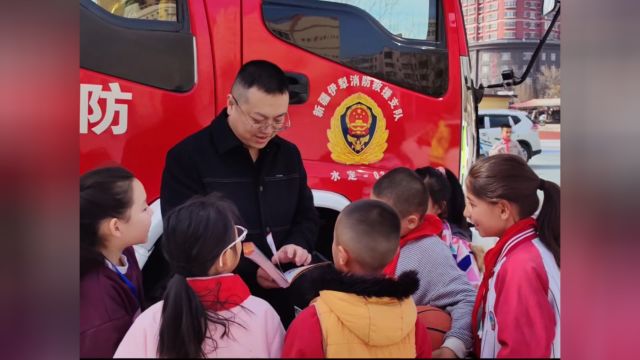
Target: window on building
{"points": [[161, 10], [471, 10], [343, 26], [505, 56], [471, 30], [491, 17], [510, 3], [510, 24], [544, 56], [509, 14], [553, 56], [526, 56], [509, 35]]}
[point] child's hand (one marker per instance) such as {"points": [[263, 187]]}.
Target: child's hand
{"points": [[292, 254], [478, 253], [265, 280], [443, 353]]}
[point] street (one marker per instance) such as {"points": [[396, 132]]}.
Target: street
{"points": [[545, 164]]}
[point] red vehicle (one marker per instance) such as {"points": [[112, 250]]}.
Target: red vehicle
{"points": [[372, 86]]}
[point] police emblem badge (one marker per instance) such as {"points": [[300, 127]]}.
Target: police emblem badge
{"points": [[358, 133]]}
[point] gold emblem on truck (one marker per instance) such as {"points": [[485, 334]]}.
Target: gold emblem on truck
{"points": [[358, 133]]}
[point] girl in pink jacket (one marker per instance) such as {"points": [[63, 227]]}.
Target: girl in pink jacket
{"points": [[517, 309], [206, 310]]}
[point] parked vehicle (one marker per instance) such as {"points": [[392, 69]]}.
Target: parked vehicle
{"points": [[525, 131]]}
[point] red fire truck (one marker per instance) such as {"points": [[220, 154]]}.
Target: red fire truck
{"points": [[154, 71]]}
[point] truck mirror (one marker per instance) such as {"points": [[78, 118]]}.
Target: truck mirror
{"points": [[548, 6]]}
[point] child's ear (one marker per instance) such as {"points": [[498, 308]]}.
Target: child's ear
{"points": [[343, 256], [111, 227], [506, 211], [412, 221]]}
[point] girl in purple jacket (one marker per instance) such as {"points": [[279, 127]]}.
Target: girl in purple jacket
{"points": [[114, 215]]}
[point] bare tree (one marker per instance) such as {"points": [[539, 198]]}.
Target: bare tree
{"points": [[525, 91], [548, 82]]}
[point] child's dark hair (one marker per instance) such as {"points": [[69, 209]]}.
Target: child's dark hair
{"points": [[505, 126], [104, 193], [372, 229], [195, 235], [404, 189], [508, 177], [445, 191]]}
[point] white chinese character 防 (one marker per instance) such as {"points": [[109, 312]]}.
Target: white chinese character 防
{"points": [[324, 99], [318, 111], [342, 82], [355, 80], [89, 96], [335, 176], [332, 89], [351, 175], [386, 93], [366, 81]]}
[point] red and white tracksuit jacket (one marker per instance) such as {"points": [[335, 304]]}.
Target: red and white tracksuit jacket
{"points": [[522, 314]]}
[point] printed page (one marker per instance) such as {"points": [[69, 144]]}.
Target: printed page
{"points": [[292, 274], [252, 252]]}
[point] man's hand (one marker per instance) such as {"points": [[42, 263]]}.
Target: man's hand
{"points": [[443, 353], [265, 280], [292, 254]]}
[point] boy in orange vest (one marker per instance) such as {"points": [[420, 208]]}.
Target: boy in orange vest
{"points": [[360, 312]]}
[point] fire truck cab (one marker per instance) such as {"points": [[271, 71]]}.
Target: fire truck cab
{"points": [[155, 71]]}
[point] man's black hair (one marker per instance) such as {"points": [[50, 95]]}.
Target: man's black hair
{"points": [[264, 75]]}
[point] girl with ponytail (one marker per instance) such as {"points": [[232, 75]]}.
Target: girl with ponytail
{"points": [[517, 309], [206, 311]]}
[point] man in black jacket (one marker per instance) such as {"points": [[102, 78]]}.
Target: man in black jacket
{"points": [[240, 155]]}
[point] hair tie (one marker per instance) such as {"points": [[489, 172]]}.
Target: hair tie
{"points": [[541, 184], [442, 171]]}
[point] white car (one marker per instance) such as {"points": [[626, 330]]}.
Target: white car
{"points": [[525, 131]]}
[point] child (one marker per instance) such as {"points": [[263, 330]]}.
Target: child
{"points": [[446, 201], [113, 216], [206, 310], [360, 312], [519, 297], [442, 284], [506, 145]]}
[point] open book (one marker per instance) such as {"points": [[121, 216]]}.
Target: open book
{"points": [[282, 279]]}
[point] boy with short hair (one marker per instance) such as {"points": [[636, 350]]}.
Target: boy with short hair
{"points": [[442, 283], [360, 312], [506, 145]]}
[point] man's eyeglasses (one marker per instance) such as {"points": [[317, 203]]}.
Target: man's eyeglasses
{"points": [[241, 234], [283, 123]]}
